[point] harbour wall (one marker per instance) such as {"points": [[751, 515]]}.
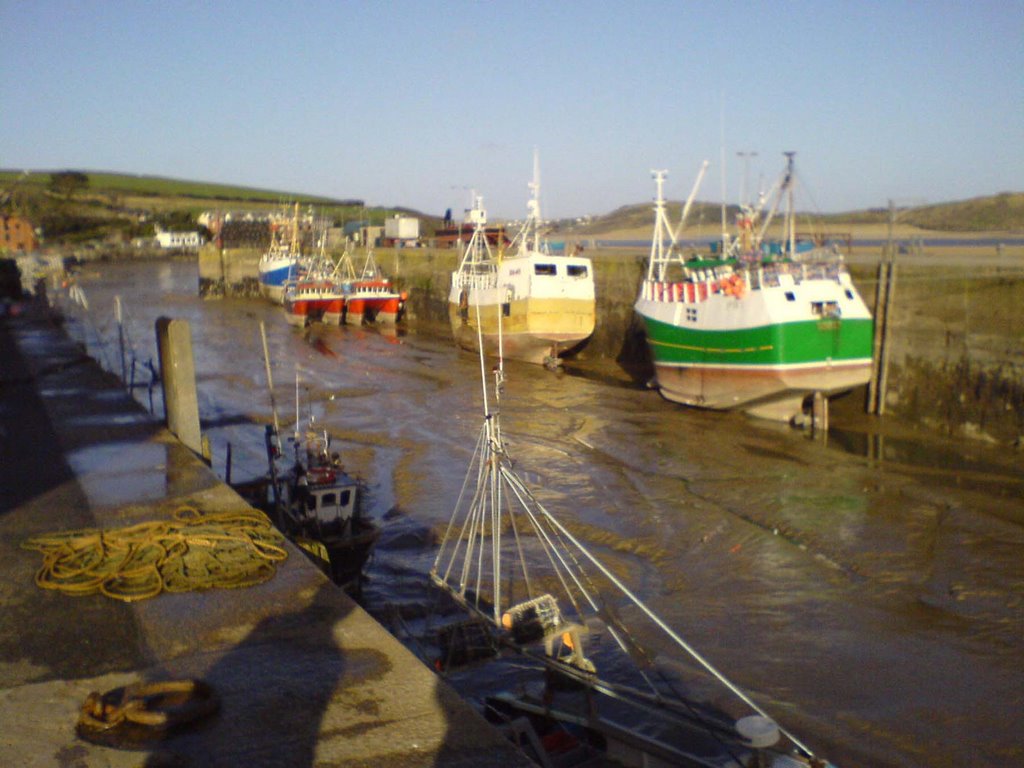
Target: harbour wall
{"points": [[955, 352]]}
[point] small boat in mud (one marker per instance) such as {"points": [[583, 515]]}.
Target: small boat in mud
{"points": [[312, 499], [318, 505]]}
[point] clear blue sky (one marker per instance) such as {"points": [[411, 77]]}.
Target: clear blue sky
{"points": [[417, 103]]}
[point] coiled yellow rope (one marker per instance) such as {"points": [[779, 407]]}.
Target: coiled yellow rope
{"points": [[191, 551]]}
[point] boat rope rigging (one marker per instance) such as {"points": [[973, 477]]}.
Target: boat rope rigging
{"points": [[493, 499]]}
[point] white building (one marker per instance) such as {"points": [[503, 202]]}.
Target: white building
{"points": [[402, 228], [179, 239]]}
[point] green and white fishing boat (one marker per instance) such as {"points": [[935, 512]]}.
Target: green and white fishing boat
{"points": [[757, 326]]}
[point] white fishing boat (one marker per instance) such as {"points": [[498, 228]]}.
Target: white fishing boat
{"points": [[529, 587], [545, 301], [758, 326]]}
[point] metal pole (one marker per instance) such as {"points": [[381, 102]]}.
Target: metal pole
{"points": [[883, 372], [270, 382], [119, 315]]}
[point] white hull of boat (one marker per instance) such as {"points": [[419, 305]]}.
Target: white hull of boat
{"points": [[545, 305]]}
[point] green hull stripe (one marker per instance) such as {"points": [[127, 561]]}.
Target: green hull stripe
{"points": [[797, 343]]}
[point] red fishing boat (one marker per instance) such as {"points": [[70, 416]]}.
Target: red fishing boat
{"points": [[314, 300]]}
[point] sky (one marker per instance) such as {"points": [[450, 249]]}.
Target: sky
{"points": [[424, 104]]}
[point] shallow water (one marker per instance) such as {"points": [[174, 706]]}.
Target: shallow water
{"points": [[869, 593]]}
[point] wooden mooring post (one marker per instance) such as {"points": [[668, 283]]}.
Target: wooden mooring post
{"points": [[884, 290], [178, 377]]}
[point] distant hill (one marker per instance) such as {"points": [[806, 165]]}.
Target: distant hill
{"points": [[127, 205], [1002, 212], [77, 206], [100, 182], [995, 213]]}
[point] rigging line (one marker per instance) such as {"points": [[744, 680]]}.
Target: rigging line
{"points": [[458, 503], [471, 528], [519, 548], [551, 547], [670, 632], [484, 514], [464, 535], [496, 540], [552, 551]]}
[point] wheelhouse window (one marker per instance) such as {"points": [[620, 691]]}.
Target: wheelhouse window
{"points": [[825, 308], [577, 270], [346, 496], [545, 269], [790, 296]]}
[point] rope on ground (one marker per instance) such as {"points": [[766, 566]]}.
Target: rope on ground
{"points": [[191, 551]]}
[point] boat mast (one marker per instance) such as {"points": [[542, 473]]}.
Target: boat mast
{"points": [[659, 256], [477, 257], [725, 223], [533, 206], [295, 229]]}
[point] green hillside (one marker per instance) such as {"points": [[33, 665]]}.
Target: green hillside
{"points": [[1002, 212], [160, 186], [996, 213], [76, 206], [72, 206]]}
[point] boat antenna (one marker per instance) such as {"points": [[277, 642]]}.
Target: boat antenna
{"points": [[790, 213], [725, 224]]}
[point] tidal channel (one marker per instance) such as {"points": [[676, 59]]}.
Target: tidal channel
{"points": [[868, 591]]}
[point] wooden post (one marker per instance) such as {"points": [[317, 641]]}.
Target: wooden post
{"points": [[881, 293], [178, 377], [819, 416], [883, 364]]}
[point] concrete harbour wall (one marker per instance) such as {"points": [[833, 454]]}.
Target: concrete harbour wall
{"points": [[956, 351]]}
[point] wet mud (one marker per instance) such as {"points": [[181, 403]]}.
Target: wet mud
{"points": [[868, 590]]}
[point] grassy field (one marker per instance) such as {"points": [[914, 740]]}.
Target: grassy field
{"points": [[112, 206], [138, 187], [113, 202]]}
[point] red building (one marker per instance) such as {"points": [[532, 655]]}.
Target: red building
{"points": [[17, 235]]}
